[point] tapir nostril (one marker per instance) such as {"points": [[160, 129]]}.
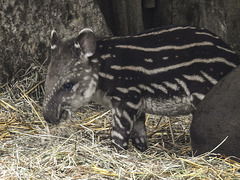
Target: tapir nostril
{"points": [[65, 114]]}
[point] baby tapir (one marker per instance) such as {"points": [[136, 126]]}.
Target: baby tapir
{"points": [[218, 117], [164, 71]]}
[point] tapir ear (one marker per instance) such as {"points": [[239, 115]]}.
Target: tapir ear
{"points": [[86, 40], [54, 40]]}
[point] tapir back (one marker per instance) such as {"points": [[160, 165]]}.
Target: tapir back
{"points": [[172, 68]]}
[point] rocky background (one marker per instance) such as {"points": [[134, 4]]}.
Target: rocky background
{"points": [[26, 25]]}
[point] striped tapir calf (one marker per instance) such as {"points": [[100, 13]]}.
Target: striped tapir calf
{"points": [[165, 71]]}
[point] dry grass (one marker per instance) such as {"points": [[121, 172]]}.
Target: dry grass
{"points": [[80, 148]]}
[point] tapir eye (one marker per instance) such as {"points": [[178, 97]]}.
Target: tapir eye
{"points": [[68, 87]]}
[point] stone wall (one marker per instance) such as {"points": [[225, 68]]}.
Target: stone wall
{"points": [[26, 27]]}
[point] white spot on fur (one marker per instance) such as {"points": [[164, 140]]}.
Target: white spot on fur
{"points": [[106, 76], [118, 122], [75, 87], [134, 89], [194, 78], [117, 135], [137, 141], [90, 90], [134, 106], [142, 86], [207, 34], [122, 90], [116, 98], [105, 56], [149, 60], [88, 54], [183, 85], [142, 140], [209, 78], [128, 118], [159, 87], [86, 78], [171, 85], [77, 45], [227, 50], [53, 46], [198, 95], [118, 112], [87, 70], [95, 60], [95, 76]]}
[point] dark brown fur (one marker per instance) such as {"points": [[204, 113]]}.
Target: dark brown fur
{"points": [[218, 117]]}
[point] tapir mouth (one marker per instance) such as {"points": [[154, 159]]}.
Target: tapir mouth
{"points": [[65, 114], [56, 117]]}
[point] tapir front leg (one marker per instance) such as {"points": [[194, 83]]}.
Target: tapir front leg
{"points": [[125, 111], [122, 125], [139, 133]]}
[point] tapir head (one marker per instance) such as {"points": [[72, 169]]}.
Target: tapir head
{"points": [[70, 81]]}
